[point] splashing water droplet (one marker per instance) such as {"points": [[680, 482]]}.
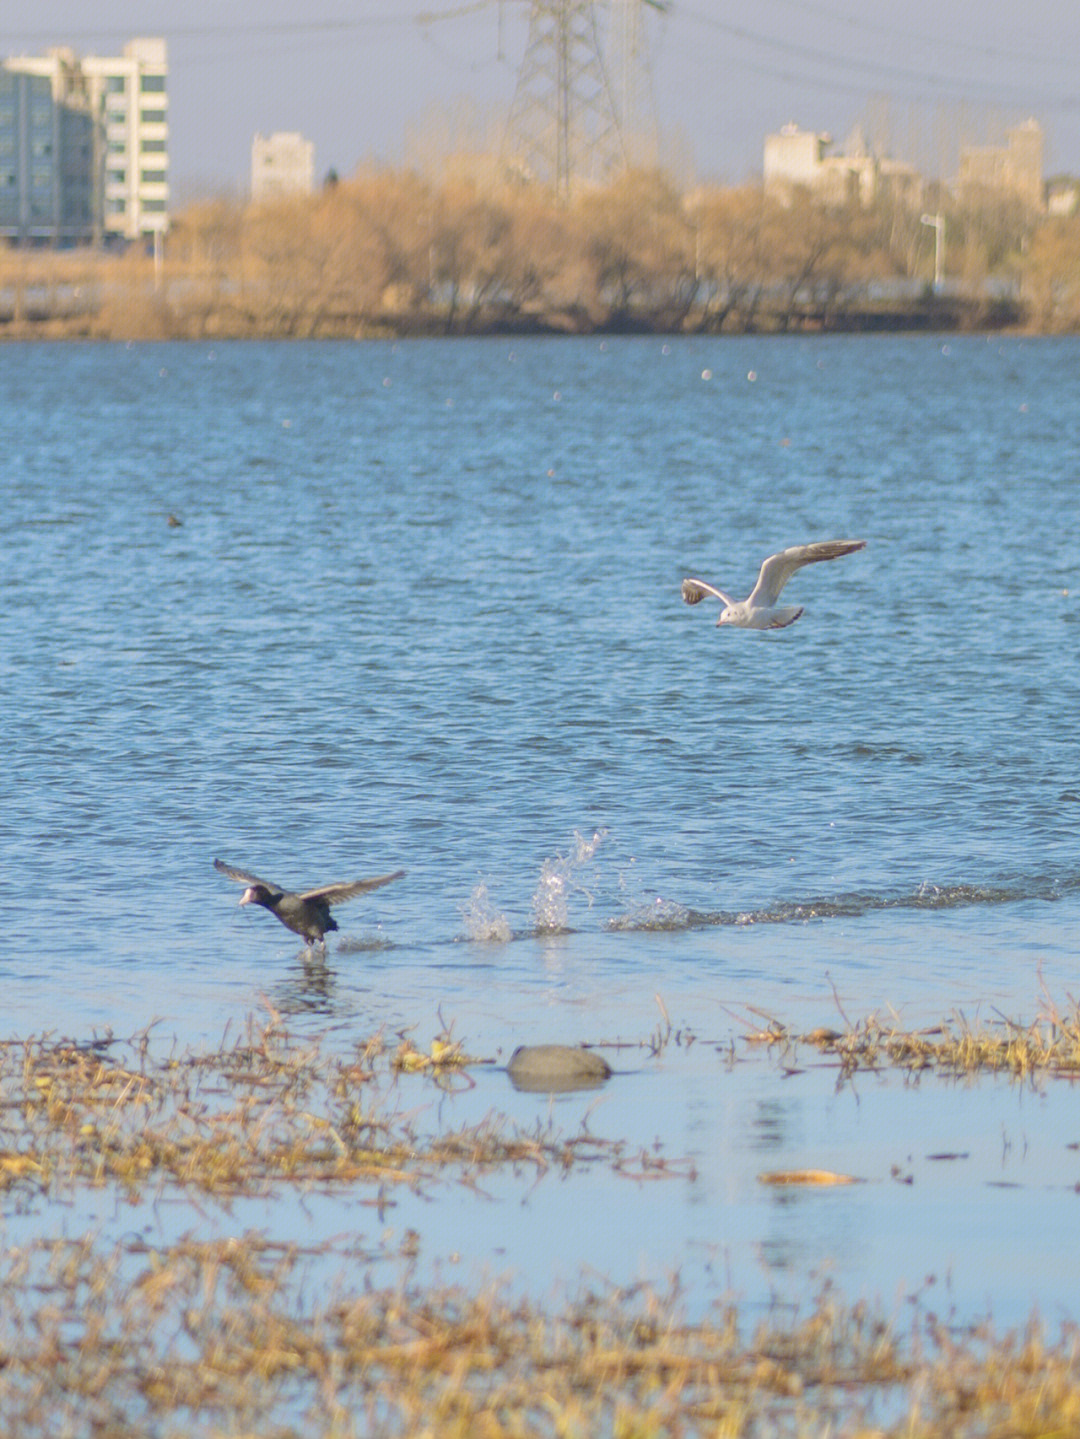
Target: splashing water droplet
{"points": [[558, 881], [482, 920]]}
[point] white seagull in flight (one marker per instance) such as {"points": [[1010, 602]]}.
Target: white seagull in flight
{"points": [[760, 610]]}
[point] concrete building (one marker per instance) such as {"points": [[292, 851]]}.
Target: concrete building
{"points": [[129, 93], [281, 164], [793, 157], [84, 146], [47, 193], [1014, 169], [800, 159]]}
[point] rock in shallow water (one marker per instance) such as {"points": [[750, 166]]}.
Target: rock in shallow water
{"points": [[556, 1068]]}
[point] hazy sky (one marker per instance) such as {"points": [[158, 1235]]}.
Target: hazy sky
{"points": [[364, 79]]}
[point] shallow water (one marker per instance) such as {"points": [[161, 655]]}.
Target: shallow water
{"points": [[422, 610]]}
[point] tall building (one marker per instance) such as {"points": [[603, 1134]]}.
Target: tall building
{"points": [[1014, 169], [84, 146], [129, 94], [281, 164], [47, 149]]}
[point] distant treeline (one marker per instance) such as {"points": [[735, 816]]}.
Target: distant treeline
{"points": [[388, 252]]}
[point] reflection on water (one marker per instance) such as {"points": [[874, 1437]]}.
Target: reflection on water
{"points": [[770, 1125], [309, 988]]}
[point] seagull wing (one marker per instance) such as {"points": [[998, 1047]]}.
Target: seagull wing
{"points": [[243, 876], [339, 893], [694, 591], [779, 568]]}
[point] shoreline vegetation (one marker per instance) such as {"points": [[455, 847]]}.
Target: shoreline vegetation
{"points": [[165, 1331], [221, 1337], [390, 254]]}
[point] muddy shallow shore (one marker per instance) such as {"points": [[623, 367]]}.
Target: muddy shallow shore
{"points": [[179, 1314]]}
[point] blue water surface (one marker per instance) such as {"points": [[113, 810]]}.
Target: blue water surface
{"points": [[422, 610]]}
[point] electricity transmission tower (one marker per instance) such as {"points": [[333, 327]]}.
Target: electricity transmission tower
{"points": [[630, 75], [578, 114]]}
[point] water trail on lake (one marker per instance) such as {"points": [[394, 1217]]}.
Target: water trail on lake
{"points": [[573, 874], [667, 915]]}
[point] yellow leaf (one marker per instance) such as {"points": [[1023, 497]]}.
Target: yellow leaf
{"points": [[806, 1176]]}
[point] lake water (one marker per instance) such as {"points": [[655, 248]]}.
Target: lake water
{"points": [[422, 610]]}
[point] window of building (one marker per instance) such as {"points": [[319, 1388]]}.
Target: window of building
{"points": [[116, 84], [153, 147], [153, 177], [116, 177], [153, 117], [117, 147], [116, 206], [156, 207], [152, 84]]}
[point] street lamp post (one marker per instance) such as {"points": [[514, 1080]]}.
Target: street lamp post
{"points": [[937, 223]]}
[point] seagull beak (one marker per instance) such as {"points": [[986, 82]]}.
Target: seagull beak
{"points": [[248, 897]]}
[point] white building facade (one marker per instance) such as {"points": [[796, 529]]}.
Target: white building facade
{"points": [[281, 164], [129, 93]]}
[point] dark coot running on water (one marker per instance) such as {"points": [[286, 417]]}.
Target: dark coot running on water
{"points": [[307, 914]]}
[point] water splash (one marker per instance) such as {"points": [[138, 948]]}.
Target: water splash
{"points": [[567, 875], [559, 879], [657, 914], [483, 922], [644, 909]]}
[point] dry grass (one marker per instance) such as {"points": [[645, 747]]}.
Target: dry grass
{"points": [[102, 1338], [1048, 1047], [262, 1112], [218, 1339]]}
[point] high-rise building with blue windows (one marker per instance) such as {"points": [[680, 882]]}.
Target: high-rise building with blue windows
{"points": [[47, 154], [84, 146]]}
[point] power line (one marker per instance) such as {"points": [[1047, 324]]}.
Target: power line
{"points": [[927, 85], [214, 31], [936, 42]]}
